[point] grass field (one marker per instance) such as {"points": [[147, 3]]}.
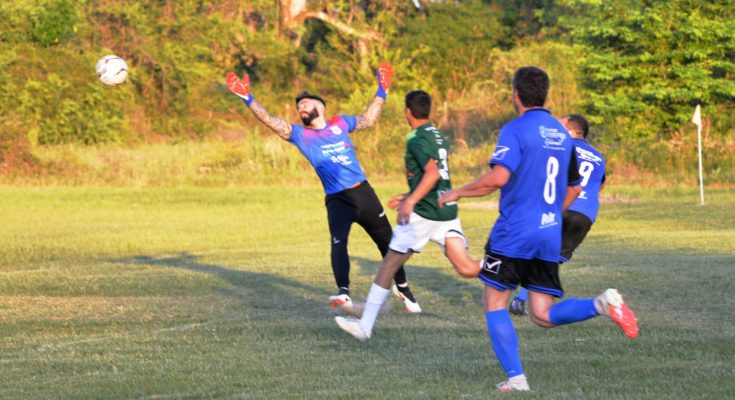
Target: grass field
{"points": [[222, 293]]}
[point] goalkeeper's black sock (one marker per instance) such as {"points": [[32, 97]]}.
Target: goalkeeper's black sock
{"points": [[406, 291]]}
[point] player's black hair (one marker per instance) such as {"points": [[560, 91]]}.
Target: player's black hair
{"points": [[419, 102], [578, 124], [532, 84], [307, 95]]}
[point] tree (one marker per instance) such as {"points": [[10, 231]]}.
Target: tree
{"points": [[647, 63]]}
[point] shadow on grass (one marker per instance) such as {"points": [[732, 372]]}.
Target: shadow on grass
{"points": [[265, 294], [444, 284]]}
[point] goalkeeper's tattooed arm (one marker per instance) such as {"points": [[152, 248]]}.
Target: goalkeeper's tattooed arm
{"points": [[279, 126], [371, 114], [241, 88]]}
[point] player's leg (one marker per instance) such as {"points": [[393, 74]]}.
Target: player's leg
{"points": [[407, 239], [362, 329], [455, 248], [372, 218], [500, 278], [518, 305], [574, 229], [609, 303], [543, 284], [340, 214]]}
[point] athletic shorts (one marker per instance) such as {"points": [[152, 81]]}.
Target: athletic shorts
{"points": [[574, 228], [419, 230], [537, 275]]}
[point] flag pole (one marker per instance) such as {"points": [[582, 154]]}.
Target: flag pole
{"points": [[697, 119], [701, 182]]}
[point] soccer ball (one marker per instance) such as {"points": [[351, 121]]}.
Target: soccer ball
{"points": [[112, 70]]}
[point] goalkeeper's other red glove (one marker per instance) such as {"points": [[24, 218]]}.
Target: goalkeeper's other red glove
{"points": [[385, 75], [240, 88]]}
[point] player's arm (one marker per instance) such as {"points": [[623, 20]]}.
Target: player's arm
{"points": [[574, 188], [373, 111], [572, 193], [484, 185], [242, 89], [430, 178]]}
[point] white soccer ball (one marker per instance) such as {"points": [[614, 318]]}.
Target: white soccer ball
{"points": [[112, 70]]}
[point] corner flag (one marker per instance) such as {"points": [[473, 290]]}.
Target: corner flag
{"points": [[697, 120]]}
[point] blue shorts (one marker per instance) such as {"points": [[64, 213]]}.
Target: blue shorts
{"points": [[505, 273]]}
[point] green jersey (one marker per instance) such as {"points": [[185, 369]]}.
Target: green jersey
{"points": [[426, 143]]}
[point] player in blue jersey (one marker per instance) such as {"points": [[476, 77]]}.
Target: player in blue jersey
{"points": [[535, 168], [326, 144], [579, 217]]}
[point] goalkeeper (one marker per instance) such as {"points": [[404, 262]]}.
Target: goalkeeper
{"points": [[349, 198]]}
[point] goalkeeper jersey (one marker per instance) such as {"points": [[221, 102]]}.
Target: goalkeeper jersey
{"points": [[330, 152]]}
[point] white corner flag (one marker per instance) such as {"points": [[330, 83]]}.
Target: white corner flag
{"points": [[697, 120]]}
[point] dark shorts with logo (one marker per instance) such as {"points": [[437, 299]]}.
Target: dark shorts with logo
{"points": [[574, 229], [505, 273]]}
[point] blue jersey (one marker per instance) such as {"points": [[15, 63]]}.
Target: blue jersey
{"points": [[592, 171], [538, 152], [330, 152]]}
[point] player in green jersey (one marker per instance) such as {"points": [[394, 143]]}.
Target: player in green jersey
{"points": [[419, 217]]}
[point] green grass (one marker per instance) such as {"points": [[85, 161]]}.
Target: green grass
{"points": [[221, 293]]}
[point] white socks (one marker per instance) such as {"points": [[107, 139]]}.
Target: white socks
{"points": [[375, 299]]}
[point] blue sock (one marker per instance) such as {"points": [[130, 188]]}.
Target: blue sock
{"points": [[572, 310], [522, 294], [505, 341]]}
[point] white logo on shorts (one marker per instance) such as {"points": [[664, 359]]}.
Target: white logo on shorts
{"points": [[492, 267]]}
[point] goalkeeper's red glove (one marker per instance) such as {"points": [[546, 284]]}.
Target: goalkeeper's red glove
{"points": [[240, 88], [385, 75]]}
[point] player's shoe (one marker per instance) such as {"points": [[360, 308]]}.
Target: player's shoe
{"points": [[518, 307], [352, 326], [513, 386], [409, 302], [343, 301], [611, 304]]}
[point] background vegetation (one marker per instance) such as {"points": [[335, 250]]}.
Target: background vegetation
{"points": [[636, 68]]}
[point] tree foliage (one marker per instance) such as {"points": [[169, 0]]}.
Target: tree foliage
{"points": [[636, 68], [646, 64]]}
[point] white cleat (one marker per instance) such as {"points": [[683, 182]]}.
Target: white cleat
{"points": [[343, 301], [409, 305], [352, 326], [610, 303], [508, 386]]}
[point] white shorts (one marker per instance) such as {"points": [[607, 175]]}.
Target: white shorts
{"points": [[419, 230]]}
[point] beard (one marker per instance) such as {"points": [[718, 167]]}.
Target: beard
{"points": [[310, 117]]}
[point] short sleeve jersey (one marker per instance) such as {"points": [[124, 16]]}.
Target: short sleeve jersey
{"points": [[592, 170], [539, 154], [427, 143], [331, 152]]}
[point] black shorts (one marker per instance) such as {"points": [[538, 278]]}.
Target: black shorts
{"points": [[537, 275], [574, 228]]}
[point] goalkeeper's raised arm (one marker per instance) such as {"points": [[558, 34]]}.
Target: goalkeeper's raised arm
{"points": [[372, 112], [242, 89]]}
